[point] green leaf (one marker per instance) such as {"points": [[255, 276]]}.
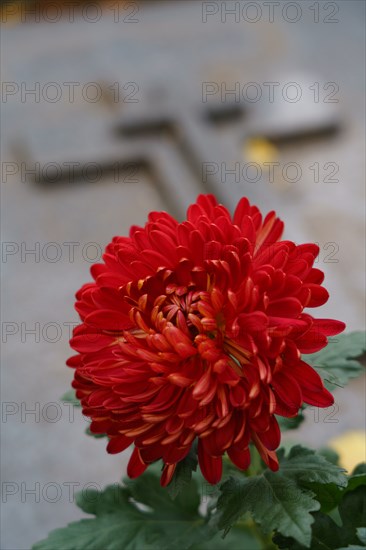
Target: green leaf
{"points": [[330, 454], [138, 516], [358, 477], [356, 481], [360, 469], [329, 495], [352, 509], [305, 465], [283, 500], [326, 534], [183, 473], [275, 502], [146, 489], [337, 363], [70, 397], [99, 503]]}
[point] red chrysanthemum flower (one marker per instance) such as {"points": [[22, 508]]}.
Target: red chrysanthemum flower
{"points": [[196, 330]]}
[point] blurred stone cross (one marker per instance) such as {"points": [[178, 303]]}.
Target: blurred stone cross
{"points": [[188, 144]]}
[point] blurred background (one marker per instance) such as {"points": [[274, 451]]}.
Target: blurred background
{"points": [[113, 109]]}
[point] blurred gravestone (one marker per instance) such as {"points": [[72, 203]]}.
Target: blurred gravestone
{"points": [[112, 116]]}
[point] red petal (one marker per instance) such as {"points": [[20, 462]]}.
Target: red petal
{"points": [[270, 231], [288, 390], [164, 244], [269, 457], [180, 342], [174, 425], [197, 247], [86, 343], [241, 458], [208, 203], [174, 454], [102, 427], [252, 322], [167, 474], [307, 377], [319, 295], [285, 307], [136, 465], [211, 466], [329, 327], [237, 395], [311, 341], [106, 319], [74, 361], [315, 276], [203, 384], [318, 399], [152, 453], [242, 209], [271, 438], [118, 444], [312, 387]]}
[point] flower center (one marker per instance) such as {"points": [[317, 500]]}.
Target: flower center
{"points": [[192, 321]]}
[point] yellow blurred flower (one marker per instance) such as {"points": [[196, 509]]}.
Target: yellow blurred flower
{"points": [[351, 447], [260, 150]]}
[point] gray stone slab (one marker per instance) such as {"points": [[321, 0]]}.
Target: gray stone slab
{"points": [[169, 55]]}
